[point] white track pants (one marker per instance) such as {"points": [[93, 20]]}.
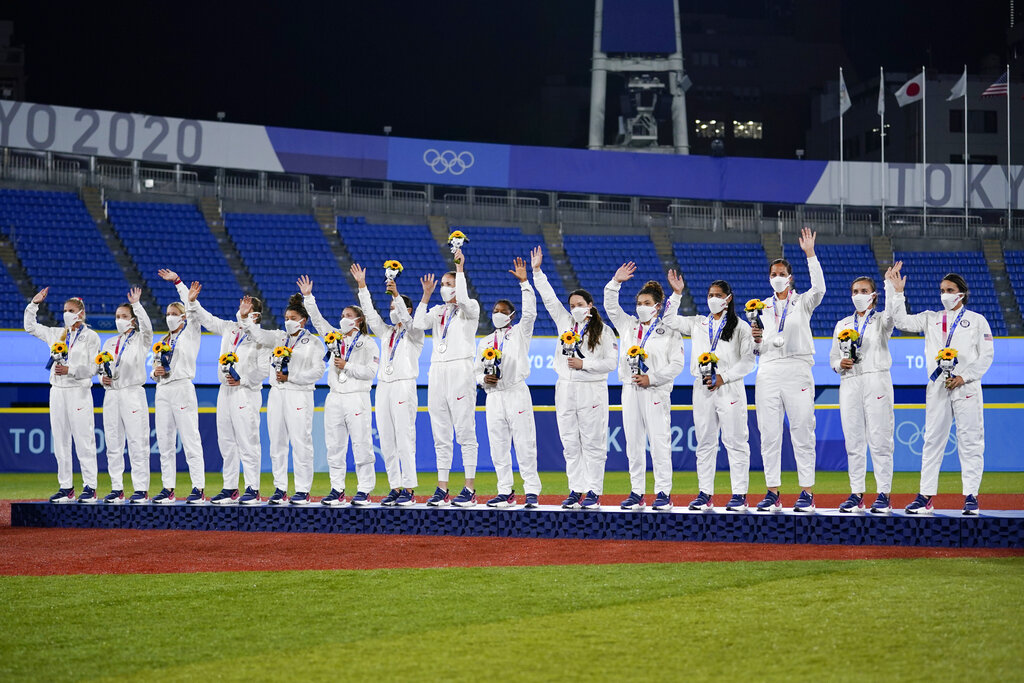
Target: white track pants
{"points": [[177, 415], [451, 401], [290, 419], [865, 406], [71, 418], [725, 410], [786, 388], [397, 403], [350, 416], [238, 434], [510, 420], [126, 420], [647, 415], [581, 410], [966, 406]]}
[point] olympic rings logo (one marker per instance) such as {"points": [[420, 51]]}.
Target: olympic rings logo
{"points": [[911, 435], [448, 161]]}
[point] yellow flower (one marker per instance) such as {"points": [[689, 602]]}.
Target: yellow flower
{"points": [[393, 265], [228, 358], [707, 358], [161, 347], [636, 351], [849, 335], [491, 353], [754, 305], [333, 337], [282, 352], [104, 357], [457, 233], [59, 347], [946, 354], [570, 337]]}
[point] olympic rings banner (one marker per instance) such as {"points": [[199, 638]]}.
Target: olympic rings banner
{"points": [[169, 140], [25, 442]]}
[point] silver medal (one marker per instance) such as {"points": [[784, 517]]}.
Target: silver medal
{"points": [[389, 370], [342, 377], [442, 347], [778, 341]]}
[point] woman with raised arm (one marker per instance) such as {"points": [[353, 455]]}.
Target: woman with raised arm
{"points": [[451, 391], [396, 400], [585, 356], [73, 349], [721, 355], [785, 385], [958, 348], [176, 406], [125, 407], [352, 359], [502, 366], [242, 368], [297, 362], [650, 358]]}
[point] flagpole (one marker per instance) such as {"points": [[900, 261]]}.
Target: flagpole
{"points": [[1009, 185], [967, 200], [842, 179], [924, 156], [885, 178]]}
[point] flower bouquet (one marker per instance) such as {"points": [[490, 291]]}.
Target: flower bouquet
{"points": [[707, 362], [58, 354], [103, 361], [753, 310], [848, 343], [947, 360], [392, 269], [456, 240], [492, 361], [570, 340], [227, 364], [636, 357], [162, 354], [280, 358]]}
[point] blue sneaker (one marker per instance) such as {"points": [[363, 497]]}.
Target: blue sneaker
{"points": [[440, 498], [971, 508], [502, 500], [333, 499], [361, 499], [88, 495], [196, 497], [280, 497], [114, 498], [63, 496], [250, 497], [634, 502], [391, 498], [465, 499], [225, 497], [662, 502], [300, 498], [702, 502], [770, 503], [591, 501], [406, 498], [881, 506], [573, 501], [804, 503], [138, 498], [855, 503], [922, 505], [738, 503], [165, 497], [531, 501]]}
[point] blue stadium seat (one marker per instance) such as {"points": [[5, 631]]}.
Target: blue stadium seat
{"points": [[744, 266], [841, 264], [595, 259]]}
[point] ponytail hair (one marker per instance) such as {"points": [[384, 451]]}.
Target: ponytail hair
{"points": [[653, 288], [730, 312], [295, 304], [961, 284], [595, 330], [363, 329]]}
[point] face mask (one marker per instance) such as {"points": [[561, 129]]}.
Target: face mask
{"points": [[292, 326], [447, 293], [254, 318], [500, 320], [70, 318], [779, 283], [949, 300], [717, 304], [238, 316], [346, 325], [862, 301], [394, 316], [172, 322], [580, 313], [123, 325], [645, 313]]}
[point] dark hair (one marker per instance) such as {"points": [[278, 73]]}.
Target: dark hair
{"points": [[257, 305], [789, 268], [363, 329], [596, 327], [295, 304], [131, 311], [511, 306], [960, 283], [653, 288], [407, 301], [730, 312], [867, 279]]}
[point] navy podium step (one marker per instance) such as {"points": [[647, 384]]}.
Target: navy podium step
{"points": [[993, 529]]}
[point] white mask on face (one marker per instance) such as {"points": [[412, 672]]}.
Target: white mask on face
{"points": [[949, 300], [580, 313], [123, 325], [779, 283], [394, 316], [500, 320], [645, 313], [255, 318], [292, 326], [346, 325], [862, 301], [172, 322], [447, 293], [717, 304], [70, 318]]}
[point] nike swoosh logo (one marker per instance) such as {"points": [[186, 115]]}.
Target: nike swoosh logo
{"points": [[401, 402], [77, 408], [460, 397], [242, 407], [179, 408], [804, 389], [300, 408], [969, 396], [594, 406], [657, 402], [523, 411], [734, 403], [357, 414], [878, 398]]}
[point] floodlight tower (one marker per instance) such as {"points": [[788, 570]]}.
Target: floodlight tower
{"points": [[640, 40]]}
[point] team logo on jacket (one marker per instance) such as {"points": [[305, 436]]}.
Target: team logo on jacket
{"points": [[659, 329], [305, 340], [965, 323]]}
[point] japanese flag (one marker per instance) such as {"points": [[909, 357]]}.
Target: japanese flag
{"points": [[911, 91]]}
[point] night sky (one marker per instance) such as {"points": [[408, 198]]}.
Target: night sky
{"points": [[455, 70]]}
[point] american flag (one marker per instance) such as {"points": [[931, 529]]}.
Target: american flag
{"points": [[997, 89]]}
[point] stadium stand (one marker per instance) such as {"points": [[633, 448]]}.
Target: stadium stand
{"points": [[12, 305], [744, 266], [175, 236], [1014, 261], [841, 263], [595, 259]]}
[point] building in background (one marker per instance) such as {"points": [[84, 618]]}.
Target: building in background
{"points": [[12, 65]]}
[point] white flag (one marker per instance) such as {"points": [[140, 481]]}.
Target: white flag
{"points": [[911, 91], [844, 96], [881, 92], [959, 89]]}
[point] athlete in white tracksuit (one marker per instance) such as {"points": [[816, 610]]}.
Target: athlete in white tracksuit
{"points": [[957, 398], [290, 404], [866, 396], [646, 395], [451, 386], [509, 404], [125, 407], [176, 406], [581, 392], [238, 405], [71, 406], [785, 385], [347, 409], [397, 400], [719, 408]]}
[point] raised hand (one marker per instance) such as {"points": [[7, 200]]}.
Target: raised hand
{"points": [[167, 274], [625, 272], [519, 269], [134, 294], [358, 274], [893, 276], [391, 287], [305, 285], [536, 258], [245, 307], [40, 297], [429, 282], [807, 241], [677, 282], [460, 261], [193, 291]]}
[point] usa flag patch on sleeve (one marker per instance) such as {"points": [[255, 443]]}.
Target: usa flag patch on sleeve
{"points": [[988, 337]]}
